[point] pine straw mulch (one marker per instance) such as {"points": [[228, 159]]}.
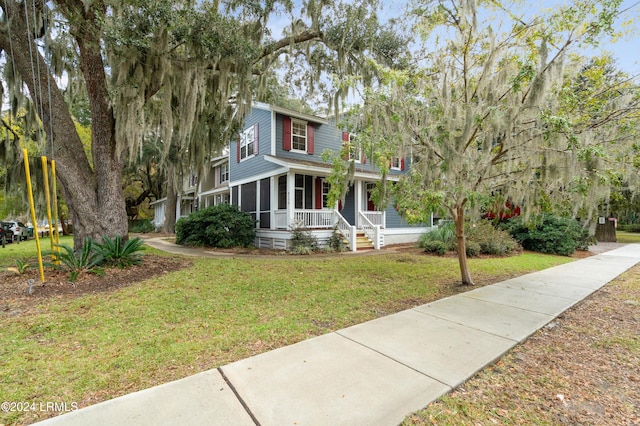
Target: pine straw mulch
{"points": [[14, 288], [581, 369]]}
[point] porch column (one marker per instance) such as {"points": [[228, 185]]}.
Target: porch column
{"points": [[274, 201], [258, 204], [358, 196], [291, 197]]}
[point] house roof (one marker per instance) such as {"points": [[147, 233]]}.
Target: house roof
{"points": [[291, 113]]}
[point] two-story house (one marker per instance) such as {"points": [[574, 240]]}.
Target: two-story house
{"points": [[275, 171]]}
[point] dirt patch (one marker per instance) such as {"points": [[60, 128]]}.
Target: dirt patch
{"points": [[21, 292]]}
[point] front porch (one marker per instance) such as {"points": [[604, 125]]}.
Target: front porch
{"points": [[369, 225]]}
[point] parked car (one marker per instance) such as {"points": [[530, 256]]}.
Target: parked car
{"points": [[6, 232], [19, 230]]}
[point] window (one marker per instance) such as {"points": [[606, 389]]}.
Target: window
{"points": [[395, 162], [355, 150], [326, 187], [298, 135], [193, 180], [303, 192], [248, 145], [224, 173]]}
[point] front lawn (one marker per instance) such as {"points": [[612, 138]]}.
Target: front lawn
{"points": [[95, 347]]}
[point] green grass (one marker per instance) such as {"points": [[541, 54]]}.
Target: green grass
{"points": [[627, 237], [27, 251], [100, 346]]}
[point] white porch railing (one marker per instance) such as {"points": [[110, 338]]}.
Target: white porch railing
{"points": [[314, 219], [374, 217], [310, 219], [347, 230], [372, 231]]}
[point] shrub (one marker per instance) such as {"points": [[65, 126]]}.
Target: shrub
{"points": [[219, 226], [85, 260], [435, 247], [549, 234], [472, 248], [117, 253], [335, 242], [490, 240], [635, 227], [143, 226], [445, 234], [303, 241]]}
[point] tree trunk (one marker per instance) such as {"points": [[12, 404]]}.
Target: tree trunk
{"points": [[94, 196], [461, 246], [169, 225]]}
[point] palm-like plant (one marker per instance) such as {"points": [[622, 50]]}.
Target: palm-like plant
{"points": [[85, 260], [121, 254]]}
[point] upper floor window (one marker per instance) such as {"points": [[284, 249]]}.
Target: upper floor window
{"points": [[397, 162], [193, 180], [354, 148], [248, 143], [297, 135], [224, 173]]}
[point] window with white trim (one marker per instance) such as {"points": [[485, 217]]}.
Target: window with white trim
{"points": [[224, 173], [355, 149], [326, 187], [298, 135], [247, 143], [396, 162]]}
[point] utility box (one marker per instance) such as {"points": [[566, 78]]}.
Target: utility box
{"points": [[606, 231]]}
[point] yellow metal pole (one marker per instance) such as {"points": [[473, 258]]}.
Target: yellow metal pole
{"points": [[55, 204], [33, 212], [45, 172]]}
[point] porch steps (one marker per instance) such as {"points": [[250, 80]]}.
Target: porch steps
{"points": [[362, 241]]}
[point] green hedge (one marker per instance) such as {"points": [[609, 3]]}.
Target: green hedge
{"points": [[634, 227], [220, 226], [549, 234]]}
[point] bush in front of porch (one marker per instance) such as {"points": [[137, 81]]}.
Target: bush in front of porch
{"points": [[220, 226]]}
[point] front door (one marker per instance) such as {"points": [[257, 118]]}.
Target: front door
{"points": [[371, 207]]}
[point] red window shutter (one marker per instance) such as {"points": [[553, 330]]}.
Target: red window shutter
{"points": [[402, 163], [310, 139], [345, 141], [318, 193], [255, 139], [238, 151], [364, 158], [286, 133]]}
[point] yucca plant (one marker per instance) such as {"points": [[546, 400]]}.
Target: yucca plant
{"points": [[87, 259], [121, 254]]}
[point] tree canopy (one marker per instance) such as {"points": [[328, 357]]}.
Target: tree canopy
{"points": [[185, 71], [513, 116]]}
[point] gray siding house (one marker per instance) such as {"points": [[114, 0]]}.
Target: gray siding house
{"points": [[275, 172]]}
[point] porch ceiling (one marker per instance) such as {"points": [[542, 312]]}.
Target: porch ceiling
{"points": [[319, 168]]}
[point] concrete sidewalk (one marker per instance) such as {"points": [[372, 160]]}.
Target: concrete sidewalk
{"points": [[374, 373]]}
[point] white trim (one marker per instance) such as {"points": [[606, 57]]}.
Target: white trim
{"points": [[214, 191], [253, 178], [273, 133], [301, 124], [299, 115], [324, 170]]}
